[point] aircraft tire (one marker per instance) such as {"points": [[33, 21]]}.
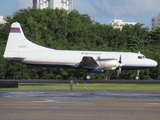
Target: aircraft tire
{"points": [[88, 77]]}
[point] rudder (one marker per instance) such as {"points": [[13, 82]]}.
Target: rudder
{"points": [[17, 42]]}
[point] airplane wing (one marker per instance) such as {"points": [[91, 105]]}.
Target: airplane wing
{"points": [[88, 63]]}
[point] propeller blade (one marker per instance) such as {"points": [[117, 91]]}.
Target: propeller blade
{"points": [[120, 61], [119, 66]]}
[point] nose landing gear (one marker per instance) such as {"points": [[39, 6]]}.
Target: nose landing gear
{"points": [[88, 77], [137, 76]]}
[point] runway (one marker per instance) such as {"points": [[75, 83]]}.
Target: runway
{"points": [[78, 105]]}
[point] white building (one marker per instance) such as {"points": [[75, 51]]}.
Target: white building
{"points": [[61, 4], [2, 21], [119, 23], [155, 21]]}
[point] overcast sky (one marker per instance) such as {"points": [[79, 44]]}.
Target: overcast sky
{"points": [[102, 11]]}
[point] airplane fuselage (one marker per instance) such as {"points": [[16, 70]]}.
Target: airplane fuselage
{"points": [[68, 58]]}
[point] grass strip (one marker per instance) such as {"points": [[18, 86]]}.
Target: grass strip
{"points": [[146, 87]]}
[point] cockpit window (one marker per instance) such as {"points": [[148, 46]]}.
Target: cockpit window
{"points": [[141, 57]]}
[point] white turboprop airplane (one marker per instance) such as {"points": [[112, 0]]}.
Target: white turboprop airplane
{"points": [[20, 49]]}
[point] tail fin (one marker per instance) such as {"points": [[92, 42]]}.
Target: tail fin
{"points": [[17, 42]]}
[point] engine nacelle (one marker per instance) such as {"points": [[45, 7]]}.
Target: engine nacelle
{"points": [[107, 64]]}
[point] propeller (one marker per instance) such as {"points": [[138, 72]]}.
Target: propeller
{"points": [[120, 62], [119, 66]]}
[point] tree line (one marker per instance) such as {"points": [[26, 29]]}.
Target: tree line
{"points": [[63, 30]]}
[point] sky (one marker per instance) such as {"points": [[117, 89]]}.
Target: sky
{"points": [[102, 11]]}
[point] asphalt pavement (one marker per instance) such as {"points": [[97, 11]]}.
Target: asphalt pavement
{"points": [[79, 105]]}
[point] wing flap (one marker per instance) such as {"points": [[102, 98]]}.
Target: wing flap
{"points": [[88, 63]]}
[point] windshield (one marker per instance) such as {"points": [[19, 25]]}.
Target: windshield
{"points": [[141, 57]]}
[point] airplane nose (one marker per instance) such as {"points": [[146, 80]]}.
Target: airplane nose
{"points": [[151, 63], [155, 63]]}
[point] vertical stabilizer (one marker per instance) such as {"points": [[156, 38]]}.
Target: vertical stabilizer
{"points": [[18, 43]]}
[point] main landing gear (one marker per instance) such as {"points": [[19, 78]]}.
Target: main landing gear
{"points": [[137, 76], [118, 72]]}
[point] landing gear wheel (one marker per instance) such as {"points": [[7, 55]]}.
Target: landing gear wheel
{"points": [[118, 72], [137, 77], [88, 77]]}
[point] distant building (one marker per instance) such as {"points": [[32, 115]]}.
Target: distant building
{"points": [[2, 21], [119, 23], [155, 21], [61, 4]]}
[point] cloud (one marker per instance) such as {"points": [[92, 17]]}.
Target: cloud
{"points": [[84, 7], [118, 8], [24, 3], [111, 8]]}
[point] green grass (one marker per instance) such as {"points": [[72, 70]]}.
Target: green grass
{"points": [[149, 87]]}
